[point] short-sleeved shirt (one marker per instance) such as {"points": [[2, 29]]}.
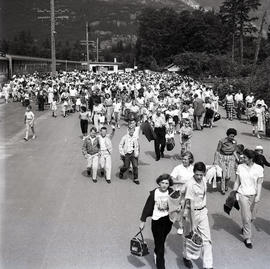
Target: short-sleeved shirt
{"points": [[227, 147], [196, 192], [161, 207], [249, 176], [182, 175], [29, 115]]}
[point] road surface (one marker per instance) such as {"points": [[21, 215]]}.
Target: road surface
{"points": [[53, 217]]}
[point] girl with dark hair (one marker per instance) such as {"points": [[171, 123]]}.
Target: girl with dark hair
{"points": [[84, 119], [248, 185], [229, 105], [225, 157], [157, 207]]}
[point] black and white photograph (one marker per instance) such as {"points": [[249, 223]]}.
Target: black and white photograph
{"points": [[134, 134]]}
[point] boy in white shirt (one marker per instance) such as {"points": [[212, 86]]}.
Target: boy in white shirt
{"points": [[29, 118]]}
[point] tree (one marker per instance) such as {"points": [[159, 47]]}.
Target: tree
{"points": [[245, 21], [236, 13], [228, 16]]}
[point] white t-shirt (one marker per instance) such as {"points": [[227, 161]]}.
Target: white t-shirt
{"points": [[181, 175], [161, 204], [249, 99], [102, 143], [29, 115], [117, 107], [249, 176]]}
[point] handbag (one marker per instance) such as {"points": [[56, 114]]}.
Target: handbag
{"points": [[217, 117], [138, 246], [170, 144], [174, 202], [193, 245]]}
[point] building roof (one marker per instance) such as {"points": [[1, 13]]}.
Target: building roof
{"points": [[102, 63]]}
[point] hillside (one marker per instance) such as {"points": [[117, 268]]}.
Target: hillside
{"points": [[106, 17], [110, 20]]}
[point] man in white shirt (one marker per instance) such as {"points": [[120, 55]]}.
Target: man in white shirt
{"points": [[160, 130], [239, 98], [105, 159], [248, 185], [249, 99], [129, 152]]}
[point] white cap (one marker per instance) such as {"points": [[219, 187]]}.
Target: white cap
{"points": [[259, 148]]}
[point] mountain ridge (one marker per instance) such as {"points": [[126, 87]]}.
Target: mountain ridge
{"points": [[108, 19]]}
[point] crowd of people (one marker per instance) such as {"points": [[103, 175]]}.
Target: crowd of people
{"points": [[164, 107], [255, 110]]}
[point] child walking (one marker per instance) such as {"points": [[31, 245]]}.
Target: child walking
{"points": [[29, 118], [185, 136], [54, 107]]}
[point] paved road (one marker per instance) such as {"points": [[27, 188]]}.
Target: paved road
{"points": [[52, 216]]}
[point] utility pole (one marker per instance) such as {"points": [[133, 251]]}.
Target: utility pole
{"points": [[53, 39], [97, 49], [87, 44]]}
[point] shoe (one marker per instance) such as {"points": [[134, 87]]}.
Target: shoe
{"points": [[94, 180], [180, 231], [157, 159], [223, 192], [136, 181], [34, 137], [162, 155], [108, 181], [26, 139], [187, 263], [259, 136], [120, 175], [226, 188], [208, 268], [88, 172], [102, 173], [248, 245]]}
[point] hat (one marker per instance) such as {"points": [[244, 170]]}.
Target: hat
{"points": [[259, 148]]}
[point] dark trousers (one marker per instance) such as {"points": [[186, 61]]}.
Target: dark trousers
{"points": [[84, 126], [41, 105], [159, 147], [129, 157], [160, 230], [197, 122]]}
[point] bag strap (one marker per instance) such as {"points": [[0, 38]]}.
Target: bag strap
{"points": [[140, 233]]}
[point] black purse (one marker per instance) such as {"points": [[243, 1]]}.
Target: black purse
{"points": [[138, 246], [217, 117]]}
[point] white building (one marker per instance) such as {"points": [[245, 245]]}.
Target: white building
{"points": [[99, 67]]}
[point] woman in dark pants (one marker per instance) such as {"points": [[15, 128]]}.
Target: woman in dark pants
{"points": [[157, 207], [84, 119]]}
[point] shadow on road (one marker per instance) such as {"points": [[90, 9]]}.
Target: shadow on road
{"points": [[135, 261], [143, 163], [150, 258], [151, 153], [250, 134], [266, 185], [222, 222], [247, 134], [262, 224], [84, 173]]}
